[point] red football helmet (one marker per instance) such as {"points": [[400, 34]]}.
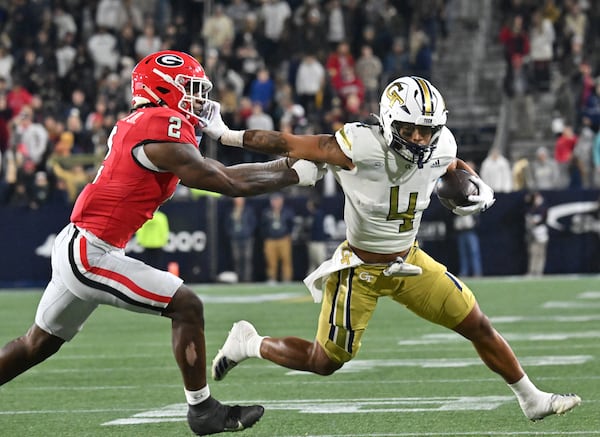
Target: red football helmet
{"points": [[173, 79]]}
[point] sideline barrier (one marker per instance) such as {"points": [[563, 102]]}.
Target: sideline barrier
{"points": [[574, 245]]}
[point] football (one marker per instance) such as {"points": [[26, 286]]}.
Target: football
{"points": [[454, 188]]}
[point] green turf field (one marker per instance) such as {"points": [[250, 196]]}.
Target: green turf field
{"points": [[411, 378]]}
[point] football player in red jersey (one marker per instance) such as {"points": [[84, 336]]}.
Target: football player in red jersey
{"points": [[149, 152]]}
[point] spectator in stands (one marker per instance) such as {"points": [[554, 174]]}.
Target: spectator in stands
{"points": [[218, 29], [339, 60], [110, 15], [496, 171], [545, 174], [348, 87], [240, 227], [521, 175], [420, 53], [515, 41], [518, 88], [310, 82], [316, 235], [563, 150], [237, 10], [596, 161], [262, 89], [467, 242], [336, 25], [542, 38], [275, 15], [259, 119], [368, 69], [536, 233], [396, 62], [148, 42], [309, 22], [102, 47], [64, 23], [29, 138], [276, 226], [583, 153], [153, 236], [6, 64], [18, 96]]}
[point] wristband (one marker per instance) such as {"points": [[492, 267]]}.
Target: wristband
{"points": [[234, 138]]}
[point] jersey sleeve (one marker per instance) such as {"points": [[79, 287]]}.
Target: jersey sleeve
{"points": [[446, 146], [170, 127], [345, 137]]}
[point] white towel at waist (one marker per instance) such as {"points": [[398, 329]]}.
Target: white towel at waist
{"points": [[342, 258]]}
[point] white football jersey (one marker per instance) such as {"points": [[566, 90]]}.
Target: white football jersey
{"points": [[385, 195]]}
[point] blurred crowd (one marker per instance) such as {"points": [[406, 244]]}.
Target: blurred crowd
{"points": [[302, 66], [297, 65], [551, 53]]}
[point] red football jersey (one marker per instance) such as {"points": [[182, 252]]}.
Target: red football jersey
{"points": [[124, 194]]}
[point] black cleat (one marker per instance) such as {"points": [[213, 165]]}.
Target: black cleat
{"points": [[211, 417]]}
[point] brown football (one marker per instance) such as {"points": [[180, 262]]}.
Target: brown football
{"points": [[454, 188]]}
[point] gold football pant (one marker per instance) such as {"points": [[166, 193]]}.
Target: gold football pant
{"points": [[350, 297]]}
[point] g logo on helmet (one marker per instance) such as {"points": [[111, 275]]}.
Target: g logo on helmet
{"points": [[169, 60]]}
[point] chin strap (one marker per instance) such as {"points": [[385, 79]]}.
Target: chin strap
{"points": [[152, 94]]}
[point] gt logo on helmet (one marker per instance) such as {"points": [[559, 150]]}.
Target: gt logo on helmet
{"points": [[169, 60], [393, 93]]}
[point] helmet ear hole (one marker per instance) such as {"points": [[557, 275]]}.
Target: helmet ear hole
{"points": [[162, 90]]}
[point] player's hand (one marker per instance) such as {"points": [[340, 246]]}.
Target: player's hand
{"points": [[210, 120], [482, 201], [309, 172]]}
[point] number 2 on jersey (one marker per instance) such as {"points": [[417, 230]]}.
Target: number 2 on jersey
{"points": [[407, 216]]}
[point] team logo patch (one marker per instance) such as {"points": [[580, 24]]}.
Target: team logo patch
{"points": [[169, 60]]}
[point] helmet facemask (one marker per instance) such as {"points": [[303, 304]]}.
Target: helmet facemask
{"points": [[194, 92], [413, 152], [408, 104]]}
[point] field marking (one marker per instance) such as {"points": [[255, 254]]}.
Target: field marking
{"points": [[442, 338], [454, 434], [356, 366], [570, 304], [295, 382], [176, 412], [589, 295], [561, 319], [251, 298]]}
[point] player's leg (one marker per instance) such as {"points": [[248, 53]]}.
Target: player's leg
{"points": [[26, 351], [59, 316], [496, 353], [348, 303], [206, 415], [451, 303], [105, 275]]}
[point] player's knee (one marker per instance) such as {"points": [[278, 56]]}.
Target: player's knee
{"points": [[40, 345], [185, 306], [320, 362], [476, 326]]}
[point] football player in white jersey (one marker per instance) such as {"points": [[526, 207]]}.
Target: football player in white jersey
{"points": [[387, 172]]}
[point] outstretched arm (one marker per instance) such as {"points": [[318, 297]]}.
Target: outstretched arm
{"points": [[318, 148], [186, 162]]}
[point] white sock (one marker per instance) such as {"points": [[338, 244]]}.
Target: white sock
{"points": [[254, 346], [526, 391], [197, 396]]}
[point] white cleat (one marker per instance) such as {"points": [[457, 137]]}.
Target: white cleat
{"points": [[234, 350], [557, 404]]}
